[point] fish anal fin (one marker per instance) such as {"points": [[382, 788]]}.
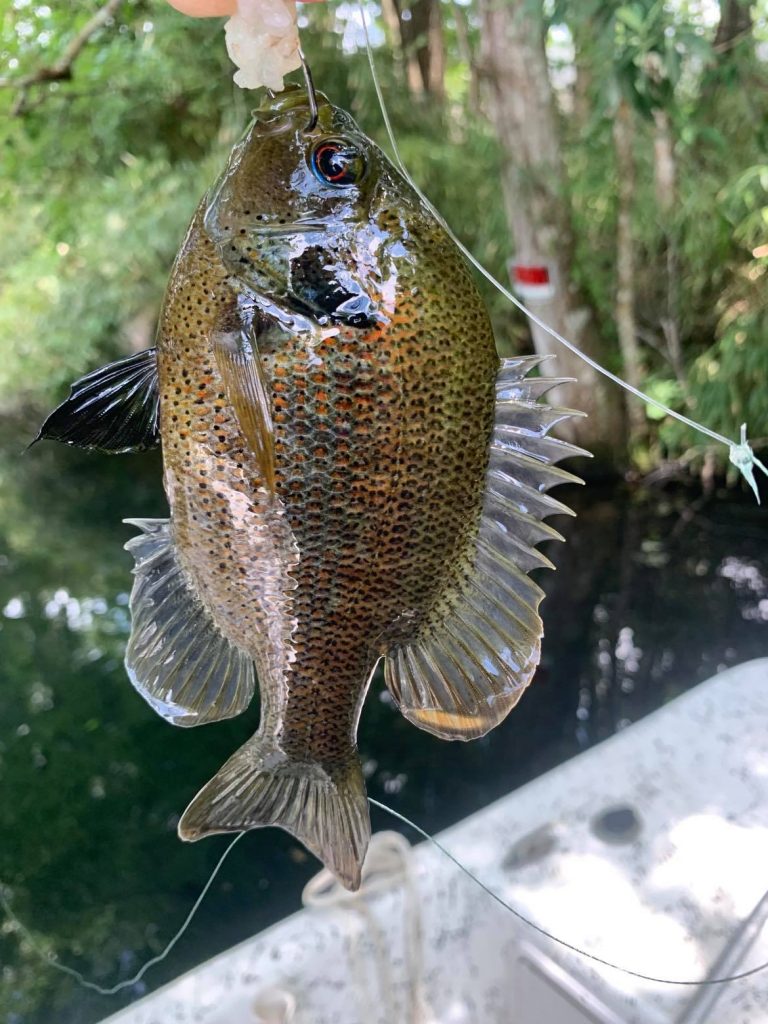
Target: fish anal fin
{"points": [[242, 372], [177, 659], [460, 726], [114, 409], [456, 687], [260, 785]]}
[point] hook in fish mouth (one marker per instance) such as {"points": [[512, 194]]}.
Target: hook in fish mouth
{"points": [[311, 94], [293, 97]]}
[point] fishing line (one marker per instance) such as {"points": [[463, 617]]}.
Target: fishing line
{"points": [[740, 453], [51, 959], [554, 938]]}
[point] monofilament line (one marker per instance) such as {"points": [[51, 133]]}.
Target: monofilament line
{"points": [[554, 938], [740, 453], [51, 960]]}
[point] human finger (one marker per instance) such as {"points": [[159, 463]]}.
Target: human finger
{"points": [[205, 8]]}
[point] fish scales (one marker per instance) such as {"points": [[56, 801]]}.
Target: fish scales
{"points": [[352, 476]]}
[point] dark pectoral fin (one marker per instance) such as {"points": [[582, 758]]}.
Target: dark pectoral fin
{"points": [[112, 410], [241, 370]]}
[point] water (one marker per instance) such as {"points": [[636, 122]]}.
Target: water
{"points": [[653, 594]]}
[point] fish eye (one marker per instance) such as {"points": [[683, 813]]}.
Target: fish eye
{"points": [[336, 162]]}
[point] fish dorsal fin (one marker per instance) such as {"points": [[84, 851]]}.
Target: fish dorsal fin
{"points": [[113, 409], [176, 657], [479, 645], [241, 369]]}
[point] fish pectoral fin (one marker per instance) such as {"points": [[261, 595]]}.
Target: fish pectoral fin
{"points": [[260, 785], [241, 369], [478, 647], [176, 657], [113, 409]]}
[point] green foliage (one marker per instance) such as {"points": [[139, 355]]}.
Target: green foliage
{"points": [[102, 172], [101, 175], [694, 263]]}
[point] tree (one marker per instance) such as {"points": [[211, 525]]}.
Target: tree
{"points": [[514, 68], [735, 23], [418, 26]]}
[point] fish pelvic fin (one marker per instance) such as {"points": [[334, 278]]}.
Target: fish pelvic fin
{"points": [[326, 809]]}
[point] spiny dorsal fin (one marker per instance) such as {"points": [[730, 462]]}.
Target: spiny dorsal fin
{"points": [[479, 645], [176, 657], [113, 409]]}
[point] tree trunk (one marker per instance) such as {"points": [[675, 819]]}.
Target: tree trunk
{"points": [[664, 163], [533, 183], [421, 43], [665, 175], [467, 55], [623, 142], [735, 22]]}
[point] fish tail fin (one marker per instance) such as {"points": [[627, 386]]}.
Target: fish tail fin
{"points": [[260, 785]]}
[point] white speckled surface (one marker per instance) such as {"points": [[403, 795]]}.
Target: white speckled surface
{"points": [[666, 903]]}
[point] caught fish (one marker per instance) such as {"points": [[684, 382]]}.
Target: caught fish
{"points": [[352, 475]]}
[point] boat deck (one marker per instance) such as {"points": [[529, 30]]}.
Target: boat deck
{"points": [[650, 850]]}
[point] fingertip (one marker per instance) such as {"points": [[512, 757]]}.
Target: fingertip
{"points": [[205, 8]]}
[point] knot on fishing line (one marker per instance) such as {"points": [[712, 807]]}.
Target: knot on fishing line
{"points": [[745, 460]]}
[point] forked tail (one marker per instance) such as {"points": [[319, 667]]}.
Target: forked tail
{"points": [[261, 785]]}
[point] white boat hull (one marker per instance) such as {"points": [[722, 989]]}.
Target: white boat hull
{"points": [[665, 893]]}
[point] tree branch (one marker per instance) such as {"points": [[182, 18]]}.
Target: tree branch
{"points": [[62, 68]]}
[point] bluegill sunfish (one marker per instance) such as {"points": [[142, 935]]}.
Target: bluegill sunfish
{"points": [[352, 475]]}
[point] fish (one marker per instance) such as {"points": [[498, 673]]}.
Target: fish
{"points": [[353, 477]]}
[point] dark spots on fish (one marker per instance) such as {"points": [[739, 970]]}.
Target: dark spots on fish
{"points": [[378, 456]]}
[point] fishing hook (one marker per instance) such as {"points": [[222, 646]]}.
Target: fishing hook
{"points": [[311, 94]]}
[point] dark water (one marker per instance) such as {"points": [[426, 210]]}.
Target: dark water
{"points": [[654, 593]]}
